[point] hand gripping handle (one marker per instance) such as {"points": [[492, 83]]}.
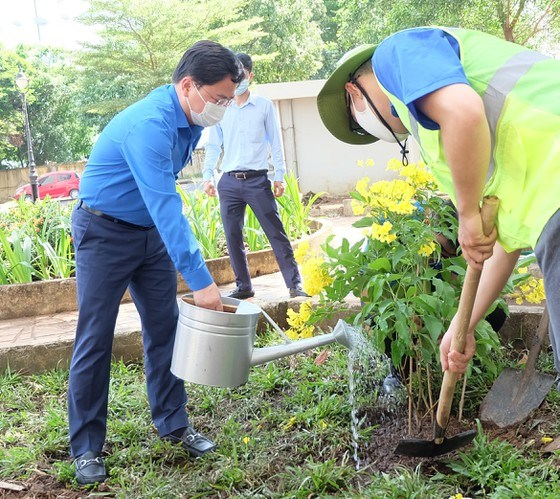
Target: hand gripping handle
{"points": [[466, 303]]}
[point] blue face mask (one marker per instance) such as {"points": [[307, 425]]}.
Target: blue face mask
{"points": [[242, 87]]}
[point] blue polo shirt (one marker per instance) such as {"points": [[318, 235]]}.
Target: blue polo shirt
{"points": [[415, 62], [132, 170]]}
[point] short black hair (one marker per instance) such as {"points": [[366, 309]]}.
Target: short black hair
{"points": [[246, 60], [208, 63]]}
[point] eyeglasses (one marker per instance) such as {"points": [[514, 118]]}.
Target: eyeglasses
{"points": [[219, 102]]}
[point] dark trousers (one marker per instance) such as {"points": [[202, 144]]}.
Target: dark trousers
{"points": [[109, 258], [235, 194]]}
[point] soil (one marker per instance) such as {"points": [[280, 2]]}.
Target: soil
{"points": [[380, 455]]}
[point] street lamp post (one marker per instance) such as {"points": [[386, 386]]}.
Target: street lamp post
{"points": [[22, 81]]}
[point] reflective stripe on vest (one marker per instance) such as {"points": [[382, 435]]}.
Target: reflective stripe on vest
{"points": [[504, 80]]}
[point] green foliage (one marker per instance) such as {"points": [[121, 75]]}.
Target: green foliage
{"points": [[285, 433], [11, 120], [253, 233], [203, 215], [498, 470], [409, 293], [291, 48], [294, 212], [58, 131], [35, 242], [533, 23], [141, 42]]}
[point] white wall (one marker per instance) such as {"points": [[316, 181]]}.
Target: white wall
{"points": [[322, 162]]}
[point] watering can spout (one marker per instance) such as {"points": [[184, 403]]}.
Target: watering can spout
{"points": [[340, 334]]}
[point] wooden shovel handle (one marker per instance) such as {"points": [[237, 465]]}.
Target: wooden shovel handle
{"points": [[538, 340], [466, 303]]}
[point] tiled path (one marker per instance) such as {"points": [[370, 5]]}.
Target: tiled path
{"points": [[59, 328]]}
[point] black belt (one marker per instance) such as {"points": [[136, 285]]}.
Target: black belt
{"points": [[98, 213], [245, 174]]}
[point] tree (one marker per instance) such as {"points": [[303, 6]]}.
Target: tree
{"points": [[535, 23], [11, 120], [141, 42], [57, 129], [292, 48], [529, 22]]}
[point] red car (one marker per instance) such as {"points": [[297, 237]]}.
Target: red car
{"points": [[54, 184]]}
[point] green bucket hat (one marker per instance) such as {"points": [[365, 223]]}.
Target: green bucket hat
{"points": [[331, 100]]}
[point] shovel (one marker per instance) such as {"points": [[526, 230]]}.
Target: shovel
{"points": [[440, 444], [516, 393]]}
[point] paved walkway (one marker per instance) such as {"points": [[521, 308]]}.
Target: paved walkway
{"points": [[23, 340]]}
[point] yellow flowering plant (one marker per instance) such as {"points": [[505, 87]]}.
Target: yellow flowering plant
{"points": [[409, 293]]}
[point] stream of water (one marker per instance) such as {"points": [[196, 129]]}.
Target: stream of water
{"points": [[367, 369]]}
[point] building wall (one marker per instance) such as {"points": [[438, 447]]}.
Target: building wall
{"points": [[320, 161]]}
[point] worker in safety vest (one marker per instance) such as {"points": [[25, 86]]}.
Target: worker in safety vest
{"points": [[485, 114]]}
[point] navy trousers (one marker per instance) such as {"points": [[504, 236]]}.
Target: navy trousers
{"points": [[109, 258], [235, 194]]}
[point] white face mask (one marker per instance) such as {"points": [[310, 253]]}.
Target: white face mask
{"points": [[369, 121], [210, 115], [242, 87]]}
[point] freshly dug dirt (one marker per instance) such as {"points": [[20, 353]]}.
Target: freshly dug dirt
{"points": [[379, 454]]}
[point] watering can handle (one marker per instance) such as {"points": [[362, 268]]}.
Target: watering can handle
{"points": [[276, 327], [468, 293]]}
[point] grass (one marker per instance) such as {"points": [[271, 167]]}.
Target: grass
{"points": [[286, 433]]}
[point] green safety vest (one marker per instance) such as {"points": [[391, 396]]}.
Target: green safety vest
{"points": [[520, 89]]}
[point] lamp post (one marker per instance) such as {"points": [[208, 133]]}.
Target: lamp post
{"points": [[22, 81]]}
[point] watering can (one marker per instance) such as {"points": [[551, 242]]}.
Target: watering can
{"points": [[216, 348]]}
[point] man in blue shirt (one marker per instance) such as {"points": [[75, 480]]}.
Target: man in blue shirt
{"points": [[249, 127], [129, 231]]}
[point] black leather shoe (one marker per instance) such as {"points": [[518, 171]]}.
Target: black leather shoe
{"points": [[240, 294], [295, 292], [90, 468], [196, 444]]}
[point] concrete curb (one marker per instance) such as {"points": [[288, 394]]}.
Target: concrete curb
{"points": [[31, 309], [59, 295]]}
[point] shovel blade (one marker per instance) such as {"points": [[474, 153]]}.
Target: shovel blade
{"points": [[514, 395], [414, 447]]}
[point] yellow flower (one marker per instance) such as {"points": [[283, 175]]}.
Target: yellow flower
{"points": [[427, 249], [360, 163], [290, 423], [315, 275], [246, 440], [382, 232], [417, 176], [522, 270], [324, 425], [532, 291], [395, 165], [302, 251], [357, 207], [299, 322], [362, 186], [391, 196], [370, 162]]}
